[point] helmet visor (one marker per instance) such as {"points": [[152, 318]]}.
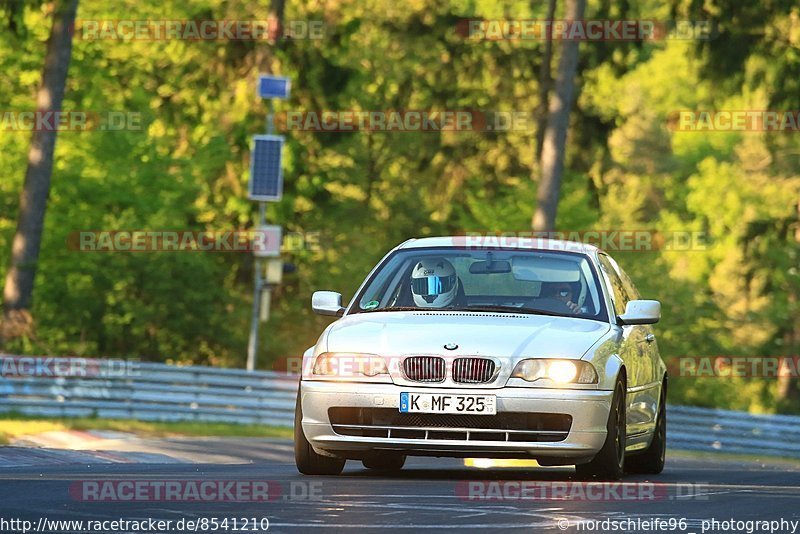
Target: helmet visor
{"points": [[429, 286]]}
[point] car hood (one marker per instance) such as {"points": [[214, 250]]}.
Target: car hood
{"points": [[476, 333]]}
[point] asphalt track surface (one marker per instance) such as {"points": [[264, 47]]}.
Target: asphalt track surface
{"points": [[429, 494]]}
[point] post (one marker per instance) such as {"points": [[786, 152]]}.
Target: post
{"points": [[269, 87], [258, 283]]}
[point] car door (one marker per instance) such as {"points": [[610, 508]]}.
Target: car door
{"points": [[632, 350], [651, 365]]}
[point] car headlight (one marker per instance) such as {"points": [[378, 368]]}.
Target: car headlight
{"points": [[349, 365], [559, 371]]}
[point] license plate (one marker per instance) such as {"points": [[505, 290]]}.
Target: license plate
{"points": [[447, 403]]}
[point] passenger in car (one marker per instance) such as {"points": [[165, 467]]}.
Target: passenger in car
{"points": [[562, 291]]}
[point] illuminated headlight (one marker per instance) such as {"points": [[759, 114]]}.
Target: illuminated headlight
{"points": [[349, 365], [559, 371]]}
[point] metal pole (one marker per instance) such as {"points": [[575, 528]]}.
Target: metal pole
{"points": [[258, 282]]}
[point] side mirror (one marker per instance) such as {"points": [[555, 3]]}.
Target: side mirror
{"points": [[327, 303], [641, 312]]}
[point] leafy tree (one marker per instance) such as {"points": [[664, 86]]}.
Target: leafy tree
{"points": [[555, 134], [18, 290], [186, 168]]}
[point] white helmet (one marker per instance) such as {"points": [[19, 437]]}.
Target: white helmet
{"points": [[434, 283]]}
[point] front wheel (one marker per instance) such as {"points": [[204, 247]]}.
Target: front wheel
{"points": [[609, 464], [307, 460]]}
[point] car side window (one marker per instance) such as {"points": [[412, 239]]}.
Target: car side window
{"points": [[620, 296], [627, 283]]}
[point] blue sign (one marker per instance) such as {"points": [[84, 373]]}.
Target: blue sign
{"points": [[273, 86]]}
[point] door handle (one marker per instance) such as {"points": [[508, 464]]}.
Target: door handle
{"points": [[649, 338]]}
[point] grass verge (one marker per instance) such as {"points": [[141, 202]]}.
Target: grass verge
{"points": [[730, 457], [15, 425]]}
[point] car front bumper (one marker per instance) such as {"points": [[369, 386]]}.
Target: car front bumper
{"points": [[588, 409]]}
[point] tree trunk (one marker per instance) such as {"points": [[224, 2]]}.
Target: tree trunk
{"points": [[788, 391], [789, 386], [275, 19], [18, 291], [555, 135], [545, 81]]}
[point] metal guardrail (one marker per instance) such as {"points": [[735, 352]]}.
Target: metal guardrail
{"points": [[726, 431], [160, 392], [157, 392]]}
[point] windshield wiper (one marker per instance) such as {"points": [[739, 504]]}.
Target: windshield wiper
{"points": [[509, 309], [393, 308]]}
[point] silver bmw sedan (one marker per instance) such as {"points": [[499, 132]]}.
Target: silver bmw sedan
{"points": [[537, 349]]}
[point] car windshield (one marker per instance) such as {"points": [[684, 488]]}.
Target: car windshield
{"points": [[504, 281]]}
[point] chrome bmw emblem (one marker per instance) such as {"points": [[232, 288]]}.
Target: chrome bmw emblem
{"points": [[451, 346]]}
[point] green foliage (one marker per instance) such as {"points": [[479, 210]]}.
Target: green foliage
{"points": [[187, 169]]}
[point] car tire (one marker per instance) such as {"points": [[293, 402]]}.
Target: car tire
{"points": [[651, 461], [305, 457], [609, 463], [386, 461]]}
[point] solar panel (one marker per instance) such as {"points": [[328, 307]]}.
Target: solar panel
{"points": [[273, 87], [266, 170]]}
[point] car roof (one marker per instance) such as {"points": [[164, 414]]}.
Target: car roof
{"points": [[520, 241]]}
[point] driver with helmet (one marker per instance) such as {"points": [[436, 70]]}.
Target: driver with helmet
{"points": [[434, 283]]}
